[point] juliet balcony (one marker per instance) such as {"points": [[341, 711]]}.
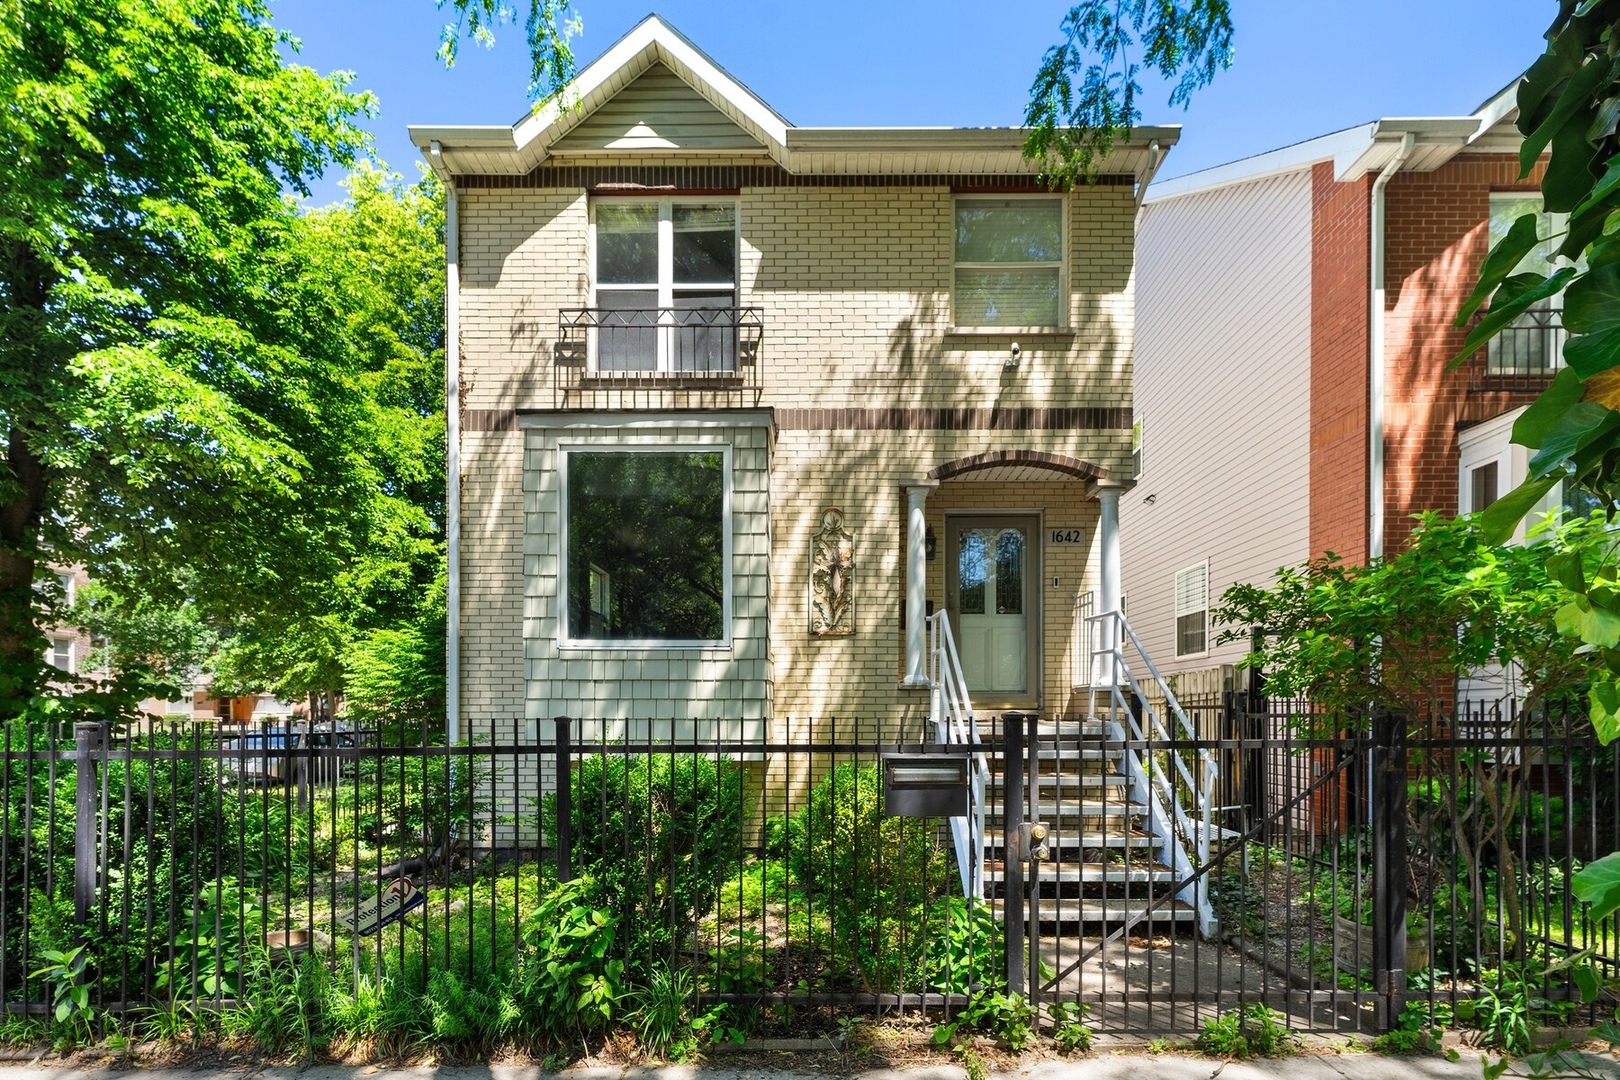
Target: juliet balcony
{"points": [[1524, 356], [649, 356]]}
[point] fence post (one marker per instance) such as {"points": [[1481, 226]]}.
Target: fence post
{"points": [[1012, 856], [565, 800], [87, 739], [1389, 763]]}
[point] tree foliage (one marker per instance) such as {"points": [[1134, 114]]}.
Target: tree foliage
{"points": [[1084, 94], [161, 411], [1400, 631], [549, 26]]}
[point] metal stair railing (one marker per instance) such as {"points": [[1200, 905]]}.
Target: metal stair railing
{"points": [[951, 712], [1185, 836]]}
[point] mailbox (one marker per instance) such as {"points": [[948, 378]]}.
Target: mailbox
{"points": [[925, 785]]}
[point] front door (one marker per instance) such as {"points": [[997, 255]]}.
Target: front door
{"points": [[992, 595]]}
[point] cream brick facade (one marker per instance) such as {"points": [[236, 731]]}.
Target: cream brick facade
{"points": [[865, 386]]}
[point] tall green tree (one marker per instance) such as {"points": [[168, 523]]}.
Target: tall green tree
{"points": [[158, 413]]}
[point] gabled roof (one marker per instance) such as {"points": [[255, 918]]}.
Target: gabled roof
{"points": [[1367, 148], [653, 90]]}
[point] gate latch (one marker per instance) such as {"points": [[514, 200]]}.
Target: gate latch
{"points": [[1034, 841]]}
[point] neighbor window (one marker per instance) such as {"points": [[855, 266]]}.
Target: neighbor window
{"points": [[1009, 261], [1531, 346], [647, 546], [665, 285], [1484, 485], [1192, 610], [60, 654]]}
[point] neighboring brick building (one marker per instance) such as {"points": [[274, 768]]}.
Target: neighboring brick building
{"points": [[703, 361], [1268, 416]]}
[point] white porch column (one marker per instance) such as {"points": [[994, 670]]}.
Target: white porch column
{"points": [[917, 583], [1108, 583], [1108, 588]]}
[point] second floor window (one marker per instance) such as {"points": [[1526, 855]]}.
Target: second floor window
{"points": [[665, 285], [1009, 262], [1532, 346]]}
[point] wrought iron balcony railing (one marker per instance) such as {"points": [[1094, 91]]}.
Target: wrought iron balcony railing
{"points": [[659, 348], [1525, 355]]}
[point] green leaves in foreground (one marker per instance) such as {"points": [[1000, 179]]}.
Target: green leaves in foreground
{"points": [[1598, 883]]}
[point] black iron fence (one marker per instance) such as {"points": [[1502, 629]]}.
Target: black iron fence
{"points": [[1525, 355], [1352, 868], [707, 346]]}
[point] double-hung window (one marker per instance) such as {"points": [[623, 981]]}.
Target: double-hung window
{"points": [[1192, 610], [664, 278], [647, 545], [1009, 261]]}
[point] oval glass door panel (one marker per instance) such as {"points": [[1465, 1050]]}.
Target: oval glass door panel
{"points": [[991, 591]]}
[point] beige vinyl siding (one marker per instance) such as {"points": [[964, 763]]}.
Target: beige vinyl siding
{"points": [[657, 111], [1222, 387]]}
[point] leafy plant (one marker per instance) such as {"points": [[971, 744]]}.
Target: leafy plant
{"points": [[965, 951], [570, 982], [1251, 1031], [65, 973], [1008, 1017], [1417, 1031], [1069, 1029]]}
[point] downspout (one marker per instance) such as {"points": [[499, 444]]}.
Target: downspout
{"points": [[452, 444], [1155, 159], [1375, 362]]}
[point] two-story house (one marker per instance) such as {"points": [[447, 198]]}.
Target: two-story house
{"points": [[734, 405], [1295, 318]]}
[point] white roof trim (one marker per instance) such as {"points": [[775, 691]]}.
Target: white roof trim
{"points": [[652, 41]]}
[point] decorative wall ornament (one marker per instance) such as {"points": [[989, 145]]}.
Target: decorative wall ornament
{"points": [[832, 578]]}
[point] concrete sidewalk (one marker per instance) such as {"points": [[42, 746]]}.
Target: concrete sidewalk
{"points": [[1097, 1066]]}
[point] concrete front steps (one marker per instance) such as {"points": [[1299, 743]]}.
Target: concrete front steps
{"points": [[1105, 867]]}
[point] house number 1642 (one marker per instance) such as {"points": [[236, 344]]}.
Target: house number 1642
{"points": [[1067, 536]]}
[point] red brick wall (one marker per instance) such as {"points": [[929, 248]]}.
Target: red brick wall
{"points": [[1438, 233], [1339, 304]]}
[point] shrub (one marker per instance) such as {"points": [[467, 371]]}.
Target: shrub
{"points": [[966, 950], [658, 834], [876, 876]]}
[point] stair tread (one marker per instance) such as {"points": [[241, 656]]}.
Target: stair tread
{"points": [[1112, 839], [1099, 909], [1088, 873]]}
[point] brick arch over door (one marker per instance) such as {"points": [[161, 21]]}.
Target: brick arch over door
{"points": [[1027, 459]]}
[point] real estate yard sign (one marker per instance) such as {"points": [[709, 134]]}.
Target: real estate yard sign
{"points": [[386, 907]]}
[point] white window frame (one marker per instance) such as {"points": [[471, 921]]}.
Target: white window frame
{"points": [[727, 604], [1178, 612], [1062, 324], [72, 655], [666, 262]]}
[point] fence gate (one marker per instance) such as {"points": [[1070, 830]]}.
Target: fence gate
{"points": [[1108, 902]]}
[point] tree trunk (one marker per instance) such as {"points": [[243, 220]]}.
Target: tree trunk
{"points": [[22, 644]]}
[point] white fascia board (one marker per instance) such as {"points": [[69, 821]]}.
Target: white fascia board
{"points": [[806, 144], [1272, 163], [471, 136], [1503, 108]]}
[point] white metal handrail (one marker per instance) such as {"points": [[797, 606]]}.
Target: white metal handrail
{"points": [[1112, 673], [951, 711]]}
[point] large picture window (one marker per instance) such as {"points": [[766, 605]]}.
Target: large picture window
{"points": [[665, 285], [1009, 262], [647, 546]]}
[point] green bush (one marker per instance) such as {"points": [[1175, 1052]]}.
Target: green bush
{"points": [[659, 835], [1252, 1031], [966, 947], [876, 876]]}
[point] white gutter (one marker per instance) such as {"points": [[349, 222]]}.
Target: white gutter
{"points": [[452, 446], [1375, 362]]}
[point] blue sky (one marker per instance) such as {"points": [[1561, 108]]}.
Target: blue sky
{"points": [[1303, 67]]}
